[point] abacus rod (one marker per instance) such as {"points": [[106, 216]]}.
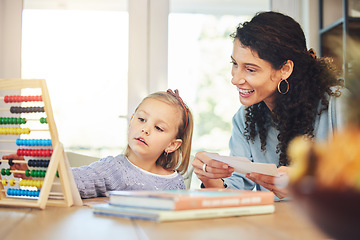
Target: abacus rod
{"points": [[51, 193], [7, 141], [14, 161], [12, 151], [7, 151], [54, 183], [8, 109], [36, 130], [14, 141]]}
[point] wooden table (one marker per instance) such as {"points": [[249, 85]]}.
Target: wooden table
{"points": [[80, 223]]}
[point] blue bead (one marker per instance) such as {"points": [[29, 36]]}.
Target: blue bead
{"points": [[9, 191]]}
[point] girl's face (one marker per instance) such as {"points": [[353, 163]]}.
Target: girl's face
{"points": [[254, 78], [153, 129]]}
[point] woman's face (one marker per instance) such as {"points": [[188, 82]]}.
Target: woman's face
{"points": [[255, 78]]}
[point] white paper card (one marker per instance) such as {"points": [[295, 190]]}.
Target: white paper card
{"points": [[244, 165]]}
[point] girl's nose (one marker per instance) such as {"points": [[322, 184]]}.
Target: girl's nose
{"points": [[145, 131]]}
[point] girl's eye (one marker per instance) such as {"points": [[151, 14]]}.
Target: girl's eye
{"points": [[250, 70], [159, 129], [141, 119], [234, 63]]}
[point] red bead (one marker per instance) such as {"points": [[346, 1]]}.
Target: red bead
{"points": [[6, 99]]}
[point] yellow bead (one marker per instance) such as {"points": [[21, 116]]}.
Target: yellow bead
{"points": [[4, 182], [12, 182]]}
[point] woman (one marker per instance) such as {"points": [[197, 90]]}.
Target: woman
{"points": [[285, 92]]}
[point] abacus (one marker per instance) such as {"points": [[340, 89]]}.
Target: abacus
{"points": [[51, 181]]}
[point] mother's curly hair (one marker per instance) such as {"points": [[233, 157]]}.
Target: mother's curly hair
{"points": [[277, 38]]}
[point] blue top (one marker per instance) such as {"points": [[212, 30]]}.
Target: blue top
{"points": [[325, 124], [118, 173]]}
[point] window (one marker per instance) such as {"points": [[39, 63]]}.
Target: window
{"points": [[82, 53], [200, 47]]}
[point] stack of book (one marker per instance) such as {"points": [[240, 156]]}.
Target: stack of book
{"points": [[171, 205]]}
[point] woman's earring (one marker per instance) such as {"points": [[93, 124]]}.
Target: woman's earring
{"points": [[287, 86]]}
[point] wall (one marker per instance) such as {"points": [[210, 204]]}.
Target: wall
{"points": [[10, 38]]}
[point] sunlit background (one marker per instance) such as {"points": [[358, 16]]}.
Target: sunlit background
{"points": [[83, 55]]}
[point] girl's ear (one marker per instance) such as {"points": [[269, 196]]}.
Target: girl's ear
{"points": [[287, 69], [173, 146]]}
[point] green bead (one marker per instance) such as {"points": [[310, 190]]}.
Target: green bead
{"points": [[8, 172], [23, 120], [3, 171], [43, 173], [57, 173], [27, 173], [43, 120]]}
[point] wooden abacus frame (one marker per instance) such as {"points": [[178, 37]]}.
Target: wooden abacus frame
{"points": [[58, 161]]}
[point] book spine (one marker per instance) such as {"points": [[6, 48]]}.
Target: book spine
{"points": [[221, 202]]}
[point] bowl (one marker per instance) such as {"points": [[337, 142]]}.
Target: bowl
{"points": [[334, 211]]}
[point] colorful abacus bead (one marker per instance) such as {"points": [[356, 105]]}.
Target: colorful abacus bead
{"points": [[14, 131], [11, 162], [33, 142], [6, 171], [12, 120], [31, 183], [38, 163], [26, 109], [12, 182], [4, 182], [43, 120], [21, 192], [37, 173], [34, 152], [18, 99]]}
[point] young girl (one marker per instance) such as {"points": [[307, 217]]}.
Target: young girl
{"points": [[159, 144], [158, 151]]}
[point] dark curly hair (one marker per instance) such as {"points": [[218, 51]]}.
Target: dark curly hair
{"points": [[278, 38]]}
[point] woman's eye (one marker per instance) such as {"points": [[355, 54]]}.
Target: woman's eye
{"points": [[141, 119], [250, 70], [234, 63], [159, 129]]}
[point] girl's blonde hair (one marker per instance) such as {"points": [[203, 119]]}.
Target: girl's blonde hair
{"points": [[179, 159]]}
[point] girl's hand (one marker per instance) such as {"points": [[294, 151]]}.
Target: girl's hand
{"points": [[278, 184], [210, 171], [17, 166]]}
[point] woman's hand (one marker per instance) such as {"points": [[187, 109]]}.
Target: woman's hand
{"points": [[209, 171], [278, 184]]}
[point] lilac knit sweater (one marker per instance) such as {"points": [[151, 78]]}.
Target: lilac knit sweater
{"points": [[118, 173]]}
